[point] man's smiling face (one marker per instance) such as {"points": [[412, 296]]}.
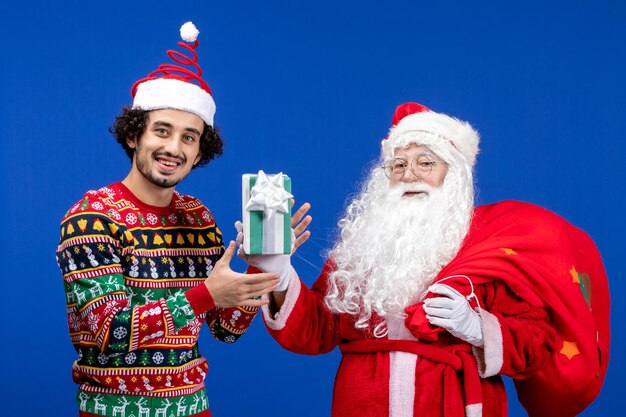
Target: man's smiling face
{"points": [[169, 147]]}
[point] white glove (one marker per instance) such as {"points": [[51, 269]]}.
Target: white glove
{"points": [[279, 264], [454, 313]]}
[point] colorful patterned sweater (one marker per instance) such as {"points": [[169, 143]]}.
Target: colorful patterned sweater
{"points": [[136, 300]]}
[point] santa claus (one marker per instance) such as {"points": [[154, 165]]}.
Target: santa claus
{"points": [[430, 299]]}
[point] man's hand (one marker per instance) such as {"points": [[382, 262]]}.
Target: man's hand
{"points": [[454, 313], [299, 225], [229, 288]]}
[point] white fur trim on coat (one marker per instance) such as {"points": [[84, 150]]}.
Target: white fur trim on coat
{"points": [[490, 356], [401, 371], [169, 93], [278, 321], [474, 410]]}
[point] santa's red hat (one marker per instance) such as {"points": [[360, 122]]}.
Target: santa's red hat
{"points": [[179, 87], [415, 123]]}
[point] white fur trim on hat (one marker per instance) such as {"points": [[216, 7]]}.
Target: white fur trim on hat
{"points": [[430, 128], [169, 93]]}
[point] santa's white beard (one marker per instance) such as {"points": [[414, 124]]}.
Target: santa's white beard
{"points": [[391, 247]]}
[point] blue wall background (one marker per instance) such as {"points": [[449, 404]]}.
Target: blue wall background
{"points": [[307, 88]]}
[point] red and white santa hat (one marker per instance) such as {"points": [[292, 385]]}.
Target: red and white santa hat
{"points": [[415, 123], [179, 87]]}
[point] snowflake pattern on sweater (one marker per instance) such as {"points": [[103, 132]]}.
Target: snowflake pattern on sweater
{"points": [[136, 301]]}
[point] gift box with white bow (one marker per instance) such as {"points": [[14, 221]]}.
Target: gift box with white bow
{"points": [[266, 204]]}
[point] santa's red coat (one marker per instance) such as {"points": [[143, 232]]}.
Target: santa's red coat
{"points": [[545, 321]]}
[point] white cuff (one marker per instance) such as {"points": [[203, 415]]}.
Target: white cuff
{"points": [[490, 356], [280, 318]]}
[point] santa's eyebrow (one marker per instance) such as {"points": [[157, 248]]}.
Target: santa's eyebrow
{"points": [[429, 154]]}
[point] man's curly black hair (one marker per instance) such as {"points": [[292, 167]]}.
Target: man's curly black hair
{"points": [[131, 123]]}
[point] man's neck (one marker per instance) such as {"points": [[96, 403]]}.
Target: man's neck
{"points": [[146, 191]]}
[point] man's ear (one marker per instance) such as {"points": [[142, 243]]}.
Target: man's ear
{"points": [[131, 142], [198, 158]]}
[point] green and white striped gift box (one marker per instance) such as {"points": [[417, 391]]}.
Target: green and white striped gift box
{"points": [[262, 235]]}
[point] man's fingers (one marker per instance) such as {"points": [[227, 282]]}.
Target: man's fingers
{"points": [[239, 226], [298, 215], [257, 289], [261, 278], [259, 284], [228, 253], [255, 303], [265, 290]]}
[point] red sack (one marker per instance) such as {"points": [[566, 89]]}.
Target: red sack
{"points": [[546, 261]]}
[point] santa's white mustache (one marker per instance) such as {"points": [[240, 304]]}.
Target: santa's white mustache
{"points": [[399, 190]]}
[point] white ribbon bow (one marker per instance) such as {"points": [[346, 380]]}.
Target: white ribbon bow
{"points": [[269, 195]]}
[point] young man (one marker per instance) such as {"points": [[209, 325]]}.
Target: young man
{"points": [[430, 299], [144, 266]]}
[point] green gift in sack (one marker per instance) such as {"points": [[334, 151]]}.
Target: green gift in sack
{"points": [[266, 207]]}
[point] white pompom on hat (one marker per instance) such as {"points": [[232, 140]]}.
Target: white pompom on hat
{"points": [[179, 87], [189, 32], [415, 123]]}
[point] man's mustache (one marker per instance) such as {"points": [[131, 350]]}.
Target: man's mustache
{"points": [[182, 159]]}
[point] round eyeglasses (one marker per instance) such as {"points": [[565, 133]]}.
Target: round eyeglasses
{"points": [[421, 166]]}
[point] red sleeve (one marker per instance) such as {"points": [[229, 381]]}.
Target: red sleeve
{"points": [[528, 337], [200, 299], [226, 324], [304, 324]]}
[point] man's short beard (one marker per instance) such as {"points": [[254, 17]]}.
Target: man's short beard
{"points": [[392, 247], [162, 182]]}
